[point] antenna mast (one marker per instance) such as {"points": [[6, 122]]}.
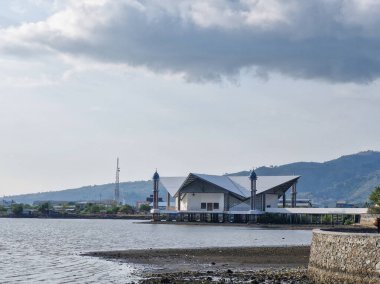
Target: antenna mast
{"points": [[117, 189]]}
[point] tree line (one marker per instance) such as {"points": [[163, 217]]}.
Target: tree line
{"points": [[46, 208]]}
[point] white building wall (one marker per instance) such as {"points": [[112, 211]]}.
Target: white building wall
{"points": [[271, 200], [192, 201]]}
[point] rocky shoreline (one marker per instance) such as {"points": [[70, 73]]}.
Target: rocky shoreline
{"points": [[218, 265], [269, 276]]}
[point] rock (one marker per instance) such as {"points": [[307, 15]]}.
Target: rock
{"points": [[378, 267]]}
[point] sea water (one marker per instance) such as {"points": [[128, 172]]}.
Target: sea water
{"points": [[49, 250]]}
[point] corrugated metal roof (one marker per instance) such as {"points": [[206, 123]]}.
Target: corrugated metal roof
{"points": [[240, 185]]}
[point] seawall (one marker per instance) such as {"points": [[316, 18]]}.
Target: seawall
{"points": [[344, 257]]}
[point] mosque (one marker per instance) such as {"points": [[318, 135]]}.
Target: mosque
{"points": [[202, 197]]}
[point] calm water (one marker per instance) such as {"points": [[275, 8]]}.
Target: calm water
{"points": [[38, 250]]}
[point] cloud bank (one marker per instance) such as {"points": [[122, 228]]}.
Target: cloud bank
{"points": [[331, 40]]}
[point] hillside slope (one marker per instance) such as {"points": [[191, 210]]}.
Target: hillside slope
{"points": [[350, 178], [130, 191]]}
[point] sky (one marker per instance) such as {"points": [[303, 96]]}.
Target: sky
{"points": [[181, 86]]}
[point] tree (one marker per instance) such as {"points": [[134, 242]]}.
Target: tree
{"points": [[144, 207], [92, 208], [375, 196], [17, 209], [27, 206], [113, 210], [375, 199], [44, 208], [127, 209]]}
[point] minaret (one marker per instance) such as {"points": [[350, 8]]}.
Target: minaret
{"points": [[117, 184], [253, 178], [155, 210]]}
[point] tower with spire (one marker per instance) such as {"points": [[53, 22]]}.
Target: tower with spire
{"points": [[155, 210], [117, 184], [253, 178]]}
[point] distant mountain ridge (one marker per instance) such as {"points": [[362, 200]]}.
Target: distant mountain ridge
{"points": [[350, 178], [130, 191]]}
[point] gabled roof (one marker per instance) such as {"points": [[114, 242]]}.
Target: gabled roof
{"points": [[239, 185], [172, 184], [264, 183], [226, 183]]}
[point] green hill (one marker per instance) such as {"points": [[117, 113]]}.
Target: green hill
{"points": [[350, 178]]}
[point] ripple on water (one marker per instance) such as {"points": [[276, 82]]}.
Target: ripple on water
{"points": [[47, 250]]}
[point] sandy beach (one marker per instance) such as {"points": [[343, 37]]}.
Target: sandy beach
{"points": [[218, 265]]}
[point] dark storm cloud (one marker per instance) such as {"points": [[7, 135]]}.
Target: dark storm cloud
{"points": [[337, 41]]}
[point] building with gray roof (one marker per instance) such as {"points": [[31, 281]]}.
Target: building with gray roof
{"points": [[199, 193]]}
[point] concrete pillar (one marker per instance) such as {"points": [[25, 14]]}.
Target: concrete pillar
{"points": [[168, 201], [294, 195], [179, 201], [264, 201], [284, 200], [227, 196]]}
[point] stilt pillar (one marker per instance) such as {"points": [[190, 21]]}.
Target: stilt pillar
{"points": [[179, 201], [294, 195], [168, 201]]}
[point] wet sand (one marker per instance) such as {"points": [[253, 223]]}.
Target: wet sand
{"points": [[218, 265]]}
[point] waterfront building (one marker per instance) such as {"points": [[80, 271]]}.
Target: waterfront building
{"points": [[214, 198], [213, 193]]}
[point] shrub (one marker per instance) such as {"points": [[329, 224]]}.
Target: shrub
{"points": [[127, 209], [348, 222], [326, 219]]}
